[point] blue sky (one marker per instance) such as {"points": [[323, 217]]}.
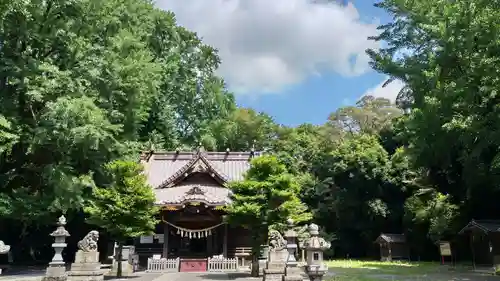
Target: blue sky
{"points": [[296, 60]]}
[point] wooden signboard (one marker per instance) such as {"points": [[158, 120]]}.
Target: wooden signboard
{"points": [[160, 238], [445, 249]]}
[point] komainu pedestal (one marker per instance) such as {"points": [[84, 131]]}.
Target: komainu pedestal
{"points": [[86, 267], [275, 267], [278, 255]]}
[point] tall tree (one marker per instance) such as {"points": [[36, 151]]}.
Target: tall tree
{"points": [[267, 197], [87, 82], [124, 207], [354, 198], [242, 130], [449, 62], [369, 115]]}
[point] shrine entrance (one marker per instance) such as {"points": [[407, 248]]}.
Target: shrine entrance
{"points": [[194, 232], [193, 241]]}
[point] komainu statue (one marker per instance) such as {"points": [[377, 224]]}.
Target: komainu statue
{"points": [[89, 242], [4, 249], [276, 241]]}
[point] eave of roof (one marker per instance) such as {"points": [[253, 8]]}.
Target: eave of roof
{"points": [[391, 238], [485, 226], [209, 195]]}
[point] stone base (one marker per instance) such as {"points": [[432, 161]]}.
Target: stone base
{"points": [[85, 278], [52, 278], [86, 267], [127, 269], [293, 274], [262, 266], [86, 257], [55, 272], [275, 267], [273, 274]]}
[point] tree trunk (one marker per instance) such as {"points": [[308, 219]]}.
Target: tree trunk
{"points": [[255, 259], [119, 260], [258, 238]]}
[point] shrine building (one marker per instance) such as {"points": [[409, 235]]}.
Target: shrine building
{"points": [[190, 188]]}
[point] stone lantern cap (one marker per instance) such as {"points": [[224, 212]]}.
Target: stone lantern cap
{"points": [[60, 231], [315, 242], [290, 233]]}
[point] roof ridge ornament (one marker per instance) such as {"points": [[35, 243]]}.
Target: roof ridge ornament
{"points": [[200, 148]]}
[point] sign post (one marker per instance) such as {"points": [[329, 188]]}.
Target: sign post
{"points": [[444, 250]]}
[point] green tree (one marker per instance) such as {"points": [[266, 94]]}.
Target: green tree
{"points": [[449, 62], [431, 212], [353, 197], [124, 207], [87, 82], [266, 198], [242, 130], [298, 147], [369, 116]]}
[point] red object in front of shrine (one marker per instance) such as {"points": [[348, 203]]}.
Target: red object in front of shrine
{"points": [[193, 265]]}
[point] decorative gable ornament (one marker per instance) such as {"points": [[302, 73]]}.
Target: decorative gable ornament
{"points": [[197, 164], [196, 190], [200, 167]]}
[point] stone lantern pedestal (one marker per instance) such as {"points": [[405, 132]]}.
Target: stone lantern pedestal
{"points": [[292, 270], [56, 271], [315, 246]]}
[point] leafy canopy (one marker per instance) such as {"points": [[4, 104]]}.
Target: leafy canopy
{"points": [[124, 207], [268, 196], [86, 82]]}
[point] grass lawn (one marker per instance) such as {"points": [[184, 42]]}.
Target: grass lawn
{"points": [[356, 270]]}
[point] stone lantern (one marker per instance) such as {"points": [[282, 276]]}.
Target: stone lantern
{"points": [[315, 246], [57, 268], [292, 271], [291, 245]]}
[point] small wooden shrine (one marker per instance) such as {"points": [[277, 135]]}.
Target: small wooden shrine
{"points": [[191, 189], [484, 242], [393, 247]]}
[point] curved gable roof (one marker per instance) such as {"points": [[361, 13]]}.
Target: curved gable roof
{"points": [[166, 171], [199, 163]]}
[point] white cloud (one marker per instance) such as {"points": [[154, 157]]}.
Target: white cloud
{"points": [[390, 91], [266, 45]]}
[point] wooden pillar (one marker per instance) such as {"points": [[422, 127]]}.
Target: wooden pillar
{"points": [[224, 246], [165, 240], [210, 242], [472, 247]]}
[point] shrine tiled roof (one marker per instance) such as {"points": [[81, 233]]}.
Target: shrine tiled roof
{"points": [[166, 171]]}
